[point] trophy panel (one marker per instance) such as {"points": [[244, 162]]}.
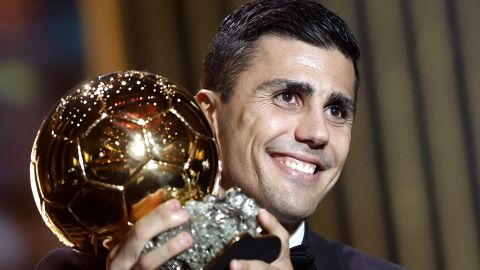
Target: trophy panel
{"points": [[65, 226], [58, 173], [169, 139], [113, 150], [138, 97], [154, 176], [76, 111], [188, 109], [204, 164]]}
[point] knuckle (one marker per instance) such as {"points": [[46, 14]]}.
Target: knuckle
{"points": [[179, 243], [284, 234], [139, 231], [143, 263], [176, 218], [114, 265], [172, 246], [160, 209], [164, 214]]}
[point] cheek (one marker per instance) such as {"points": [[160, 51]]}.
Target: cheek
{"points": [[340, 140], [260, 120], [227, 134], [276, 119], [237, 129]]}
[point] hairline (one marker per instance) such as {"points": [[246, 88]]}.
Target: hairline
{"points": [[251, 55]]}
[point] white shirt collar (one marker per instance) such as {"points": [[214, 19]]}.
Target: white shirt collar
{"points": [[297, 237]]}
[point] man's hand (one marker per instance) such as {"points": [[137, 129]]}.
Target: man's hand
{"points": [[152, 220], [271, 224]]}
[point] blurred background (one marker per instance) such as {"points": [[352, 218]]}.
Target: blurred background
{"points": [[410, 189]]}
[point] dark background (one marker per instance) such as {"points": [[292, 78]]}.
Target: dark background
{"points": [[410, 189]]}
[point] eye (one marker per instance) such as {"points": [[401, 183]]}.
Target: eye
{"points": [[337, 114], [336, 111], [287, 99]]}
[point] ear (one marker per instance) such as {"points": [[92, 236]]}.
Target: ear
{"points": [[209, 102]]}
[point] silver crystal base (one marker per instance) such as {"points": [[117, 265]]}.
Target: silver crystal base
{"points": [[214, 223]]}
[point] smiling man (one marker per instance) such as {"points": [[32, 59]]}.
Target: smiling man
{"points": [[280, 83], [279, 88]]}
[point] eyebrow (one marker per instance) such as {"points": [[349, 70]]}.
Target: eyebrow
{"points": [[302, 87], [298, 86]]}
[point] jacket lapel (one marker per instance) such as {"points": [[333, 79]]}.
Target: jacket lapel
{"points": [[324, 252]]}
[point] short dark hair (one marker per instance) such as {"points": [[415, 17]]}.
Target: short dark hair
{"points": [[233, 47]]}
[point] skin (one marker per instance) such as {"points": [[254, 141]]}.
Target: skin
{"points": [[292, 105]]}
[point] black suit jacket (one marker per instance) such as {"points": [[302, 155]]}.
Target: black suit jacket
{"points": [[333, 255], [329, 255]]}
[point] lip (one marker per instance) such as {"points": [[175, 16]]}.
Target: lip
{"points": [[278, 159]]}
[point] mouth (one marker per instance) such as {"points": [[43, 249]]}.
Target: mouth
{"points": [[297, 164]]}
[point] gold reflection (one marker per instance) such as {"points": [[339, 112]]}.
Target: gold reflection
{"points": [[136, 148]]}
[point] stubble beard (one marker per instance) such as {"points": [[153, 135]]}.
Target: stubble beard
{"points": [[290, 209]]}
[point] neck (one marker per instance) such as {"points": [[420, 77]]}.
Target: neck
{"points": [[291, 227]]}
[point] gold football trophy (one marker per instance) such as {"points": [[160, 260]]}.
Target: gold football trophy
{"points": [[113, 141]]}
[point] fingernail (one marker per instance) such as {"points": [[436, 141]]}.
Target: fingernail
{"points": [[262, 212], [181, 214], [174, 204], [185, 239], [235, 265]]}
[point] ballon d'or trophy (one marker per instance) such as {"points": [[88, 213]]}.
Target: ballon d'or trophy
{"points": [[113, 141]]}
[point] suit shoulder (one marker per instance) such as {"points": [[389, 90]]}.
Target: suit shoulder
{"points": [[336, 255], [352, 258], [67, 258]]}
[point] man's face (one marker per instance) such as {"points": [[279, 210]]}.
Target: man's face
{"points": [[285, 133]]}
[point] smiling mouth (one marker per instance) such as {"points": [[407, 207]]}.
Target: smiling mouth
{"points": [[299, 166]]}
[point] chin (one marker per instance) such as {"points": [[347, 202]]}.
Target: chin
{"points": [[288, 210]]}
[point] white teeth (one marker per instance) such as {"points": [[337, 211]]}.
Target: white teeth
{"points": [[300, 166]]}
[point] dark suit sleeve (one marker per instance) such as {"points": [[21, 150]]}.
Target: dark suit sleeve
{"points": [[66, 258]]}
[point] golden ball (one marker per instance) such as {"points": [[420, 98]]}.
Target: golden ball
{"points": [[111, 142]]}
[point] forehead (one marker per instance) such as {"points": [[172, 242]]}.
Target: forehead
{"points": [[283, 58]]}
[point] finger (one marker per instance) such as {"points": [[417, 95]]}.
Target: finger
{"points": [[249, 265], [146, 205], [163, 217], [162, 254], [272, 225]]}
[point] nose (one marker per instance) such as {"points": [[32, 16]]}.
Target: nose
{"points": [[312, 129]]}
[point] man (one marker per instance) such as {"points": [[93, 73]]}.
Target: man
{"points": [[280, 83]]}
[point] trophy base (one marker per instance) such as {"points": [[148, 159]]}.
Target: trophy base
{"points": [[222, 229]]}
